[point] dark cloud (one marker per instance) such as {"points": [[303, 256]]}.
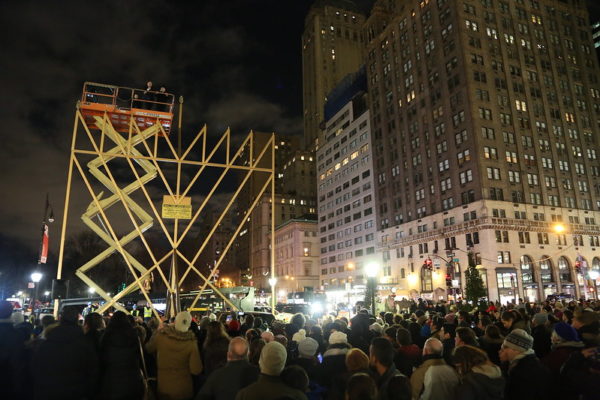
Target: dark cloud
{"points": [[236, 63]]}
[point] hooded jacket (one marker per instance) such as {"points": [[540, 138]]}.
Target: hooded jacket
{"points": [[178, 359], [484, 382]]}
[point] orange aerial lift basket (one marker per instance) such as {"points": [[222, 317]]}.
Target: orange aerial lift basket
{"points": [[123, 103]]}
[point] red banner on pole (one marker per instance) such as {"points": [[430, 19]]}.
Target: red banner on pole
{"points": [[45, 242]]}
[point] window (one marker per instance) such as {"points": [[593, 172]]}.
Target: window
{"points": [[564, 270], [466, 176], [493, 173], [485, 113], [511, 157], [514, 176], [527, 270], [524, 237], [463, 157], [504, 257], [501, 236]]}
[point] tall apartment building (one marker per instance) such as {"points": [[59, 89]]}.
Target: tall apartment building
{"points": [[332, 44], [485, 120], [347, 228]]}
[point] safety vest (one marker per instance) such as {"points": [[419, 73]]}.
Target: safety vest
{"points": [[147, 312], [135, 312]]}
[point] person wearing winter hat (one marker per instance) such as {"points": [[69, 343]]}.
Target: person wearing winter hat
{"points": [[527, 378], [334, 358], [541, 332], [178, 358], [307, 350], [269, 385], [299, 336], [377, 328], [565, 341], [338, 338]]}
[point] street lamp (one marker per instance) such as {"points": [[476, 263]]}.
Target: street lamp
{"points": [[372, 270], [272, 283], [91, 291], [593, 274], [36, 277], [559, 228]]}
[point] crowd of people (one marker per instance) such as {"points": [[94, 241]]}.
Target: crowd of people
{"points": [[432, 351]]}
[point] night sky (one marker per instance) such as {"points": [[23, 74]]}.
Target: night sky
{"points": [[237, 64]]}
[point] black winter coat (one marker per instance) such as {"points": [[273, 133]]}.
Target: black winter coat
{"points": [[542, 345], [121, 367], [65, 365], [11, 360], [528, 380], [475, 386], [334, 364], [225, 382]]}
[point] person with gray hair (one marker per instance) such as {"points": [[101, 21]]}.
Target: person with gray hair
{"points": [[225, 382], [434, 379]]}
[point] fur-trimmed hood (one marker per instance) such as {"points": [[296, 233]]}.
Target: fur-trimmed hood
{"points": [[171, 332]]}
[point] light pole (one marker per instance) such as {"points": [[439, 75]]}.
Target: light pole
{"points": [[593, 274], [514, 287], [272, 282], [36, 277], [372, 270]]}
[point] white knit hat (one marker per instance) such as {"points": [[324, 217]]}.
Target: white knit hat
{"points": [[299, 336], [272, 359], [338, 337], [183, 321]]}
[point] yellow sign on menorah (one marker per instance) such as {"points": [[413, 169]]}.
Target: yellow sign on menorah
{"points": [[177, 208]]}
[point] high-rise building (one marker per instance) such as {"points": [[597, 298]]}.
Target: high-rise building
{"points": [[332, 45], [485, 119], [594, 11], [347, 229]]}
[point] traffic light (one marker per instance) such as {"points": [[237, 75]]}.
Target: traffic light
{"points": [[448, 280], [428, 264], [578, 267]]}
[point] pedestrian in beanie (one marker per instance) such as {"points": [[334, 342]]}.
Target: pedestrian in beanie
{"points": [[527, 378], [177, 357], [270, 386]]}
